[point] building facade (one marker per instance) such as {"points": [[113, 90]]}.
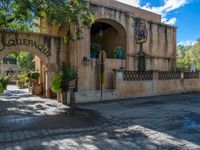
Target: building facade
{"points": [[133, 39], [9, 66], [117, 25]]}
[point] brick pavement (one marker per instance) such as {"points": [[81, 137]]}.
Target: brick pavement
{"points": [[163, 122]]}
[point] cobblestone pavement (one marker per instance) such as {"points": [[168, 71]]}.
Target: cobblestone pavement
{"points": [[163, 122]]}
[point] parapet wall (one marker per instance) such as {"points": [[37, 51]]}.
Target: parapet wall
{"points": [[160, 84], [128, 9]]}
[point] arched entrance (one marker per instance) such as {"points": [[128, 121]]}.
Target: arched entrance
{"points": [[108, 35], [49, 52]]}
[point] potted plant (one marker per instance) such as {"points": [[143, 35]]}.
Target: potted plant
{"points": [[1, 88], [22, 80], [119, 53], [63, 82], [34, 77], [37, 89], [3, 83], [95, 49]]}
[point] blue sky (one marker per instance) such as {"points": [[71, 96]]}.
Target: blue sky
{"points": [[185, 14]]}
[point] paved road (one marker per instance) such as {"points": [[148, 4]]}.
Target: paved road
{"points": [[163, 122]]}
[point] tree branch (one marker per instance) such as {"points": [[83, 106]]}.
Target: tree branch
{"points": [[7, 21]]}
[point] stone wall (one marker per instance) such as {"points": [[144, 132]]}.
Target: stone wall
{"points": [[136, 88]]}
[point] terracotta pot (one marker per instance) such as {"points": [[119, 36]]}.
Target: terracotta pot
{"points": [[48, 93], [34, 81], [37, 89]]}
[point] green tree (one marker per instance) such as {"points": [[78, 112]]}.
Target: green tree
{"points": [[21, 14], [181, 56], [194, 55], [188, 56], [24, 60]]}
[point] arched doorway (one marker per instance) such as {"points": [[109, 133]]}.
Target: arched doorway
{"points": [[50, 52], [108, 35], [19, 65]]}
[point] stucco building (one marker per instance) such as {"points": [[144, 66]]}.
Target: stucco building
{"points": [[116, 25], [9, 66], [133, 39]]}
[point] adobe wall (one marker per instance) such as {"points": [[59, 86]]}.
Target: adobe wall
{"points": [[160, 46], [50, 49], [128, 89]]}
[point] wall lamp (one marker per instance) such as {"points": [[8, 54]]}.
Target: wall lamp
{"points": [[86, 61]]}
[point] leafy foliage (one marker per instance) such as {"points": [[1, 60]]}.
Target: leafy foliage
{"points": [[22, 14], [56, 82], [22, 81], [24, 60], [4, 81], [35, 75], [61, 82], [1, 88], [95, 49], [188, 56], [119, 53]]}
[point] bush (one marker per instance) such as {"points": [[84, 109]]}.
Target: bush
{"points": [[29, 74], [1, 88], [95, 49], [56, 84], [22, 81], [61, 82], [119, 53], [35, 75], [4, 82]]}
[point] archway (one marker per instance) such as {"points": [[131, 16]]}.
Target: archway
{"points": [[49, 49], [19, 65], [108, 35]]}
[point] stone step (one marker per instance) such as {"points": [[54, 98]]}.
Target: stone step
{"points": [[94, 96]]}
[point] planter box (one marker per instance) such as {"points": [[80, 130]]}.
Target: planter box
{"points": [[65, 97]]}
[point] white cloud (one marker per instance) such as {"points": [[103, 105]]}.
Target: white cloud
{"points": [[187, 43], [131, 2], [169, 5], [171, 21]]}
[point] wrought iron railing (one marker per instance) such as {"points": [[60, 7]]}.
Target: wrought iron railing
{"points": [[169, 75], [191, 75], [136, 75], [161, 75]]}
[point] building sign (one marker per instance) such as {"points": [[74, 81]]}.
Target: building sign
{"points": [[25, 42], [141, 33]]}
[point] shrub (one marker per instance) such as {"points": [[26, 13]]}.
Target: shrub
{"points": [[56, 84], [95, 49], [29, 74], [22, 81], [119, 53], [35, 75], [1, 88], [4, 82], [61, 82]]}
